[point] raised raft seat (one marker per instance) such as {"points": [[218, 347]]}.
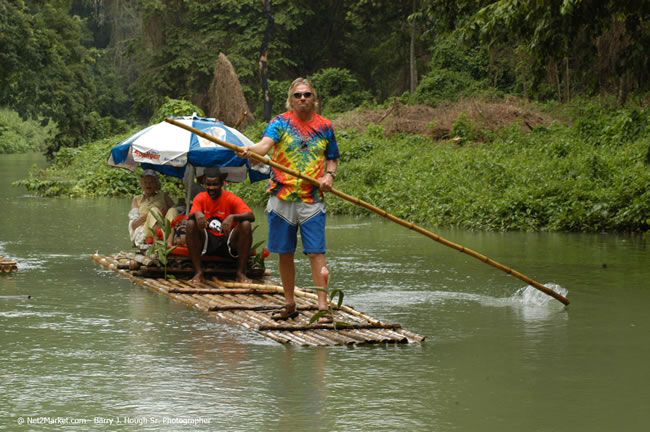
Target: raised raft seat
{"points": [[180, 265]]}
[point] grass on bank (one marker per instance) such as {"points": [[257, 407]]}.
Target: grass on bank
{"points": [[591, 175]]}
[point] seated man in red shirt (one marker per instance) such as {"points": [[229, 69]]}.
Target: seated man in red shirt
{"points": [[219, 223]]}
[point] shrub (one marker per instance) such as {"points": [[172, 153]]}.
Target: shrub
{"points": [[83, 171], [450, 54], [464, 128], [549, 179], [20, 136], [338, 90], [175, 108], [441, 85]]}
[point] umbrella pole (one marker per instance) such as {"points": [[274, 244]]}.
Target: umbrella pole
{"points": [[381, 212], [188, 180]]}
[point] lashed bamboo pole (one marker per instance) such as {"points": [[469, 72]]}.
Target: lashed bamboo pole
{"points": [[230, 316], [223, 290], [354, 335], [249, 285], [250, 321], [246, 321], [210, 301], [371, 332], [412, 336], [264, 320], [397, 337], [321, 340], [381, 334], [308, 327], [220, 300], [261, 307], [331, 336], [371, 336], [253, 320], [299, 293], [197, 302], [241, 305], [155, 270], [381, 212], [303, 304]]}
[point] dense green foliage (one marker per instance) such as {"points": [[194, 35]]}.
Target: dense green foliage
{"points": [[89, 70], [571, 46], [455, 72], [48, 70], [21, 136], [80, 62], [590, 175], [176, 108], [83, 171]]}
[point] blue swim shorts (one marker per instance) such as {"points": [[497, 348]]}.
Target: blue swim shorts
{"points": [[285, 217]]}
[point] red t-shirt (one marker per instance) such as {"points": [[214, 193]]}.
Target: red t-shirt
{"points": [[216, 211]]}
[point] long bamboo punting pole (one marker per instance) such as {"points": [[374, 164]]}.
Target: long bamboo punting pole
{"points": [[380, 212]]}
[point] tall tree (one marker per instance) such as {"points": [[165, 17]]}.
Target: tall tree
{"points": [[181, 41], [412, 60], [557, 34], [264, 55], [47, 68]]}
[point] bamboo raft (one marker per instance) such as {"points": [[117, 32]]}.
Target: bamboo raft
{"points": [[251, 305]]}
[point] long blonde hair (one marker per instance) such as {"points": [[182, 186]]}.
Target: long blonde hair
{"points": [[306, 82]]}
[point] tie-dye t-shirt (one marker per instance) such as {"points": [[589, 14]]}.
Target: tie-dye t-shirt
{"points": [[303, 146]]}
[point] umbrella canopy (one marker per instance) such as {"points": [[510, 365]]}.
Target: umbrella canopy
{"points": [[170, 149]]}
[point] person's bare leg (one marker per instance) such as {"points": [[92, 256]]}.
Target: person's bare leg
{"points": [[195, 239], [242, 239], [317, 261], [287, 268]]}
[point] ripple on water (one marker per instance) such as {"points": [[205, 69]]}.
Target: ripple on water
{"points": [[532, 296], [529, 303]]}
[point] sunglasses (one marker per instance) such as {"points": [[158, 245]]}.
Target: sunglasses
{"points": [[298, 95]]}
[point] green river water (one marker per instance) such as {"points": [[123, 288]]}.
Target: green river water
{"points": [[92, 351]]}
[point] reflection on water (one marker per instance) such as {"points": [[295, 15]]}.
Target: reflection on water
{"points": [[498, 356]]}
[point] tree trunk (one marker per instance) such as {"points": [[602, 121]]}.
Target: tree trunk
{"points": [[557, 81], [621, 94], [412, 65], [524, 81], [567, 82], [264, 51], [523, 67]]}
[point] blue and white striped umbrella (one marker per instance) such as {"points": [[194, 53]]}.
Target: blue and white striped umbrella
{"points": [[169, 149]]}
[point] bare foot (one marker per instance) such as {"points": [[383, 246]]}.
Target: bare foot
{"points": [[197, 279], [242, 278], [288, 311]]}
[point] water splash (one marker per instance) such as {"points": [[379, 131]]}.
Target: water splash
{"points": [[531, 296]]}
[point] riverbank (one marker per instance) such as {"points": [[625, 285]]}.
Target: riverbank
{"points": [[588, 172]]}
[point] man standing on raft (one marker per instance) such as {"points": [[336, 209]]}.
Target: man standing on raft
{"points": [[219, 224], [304, 141]]}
